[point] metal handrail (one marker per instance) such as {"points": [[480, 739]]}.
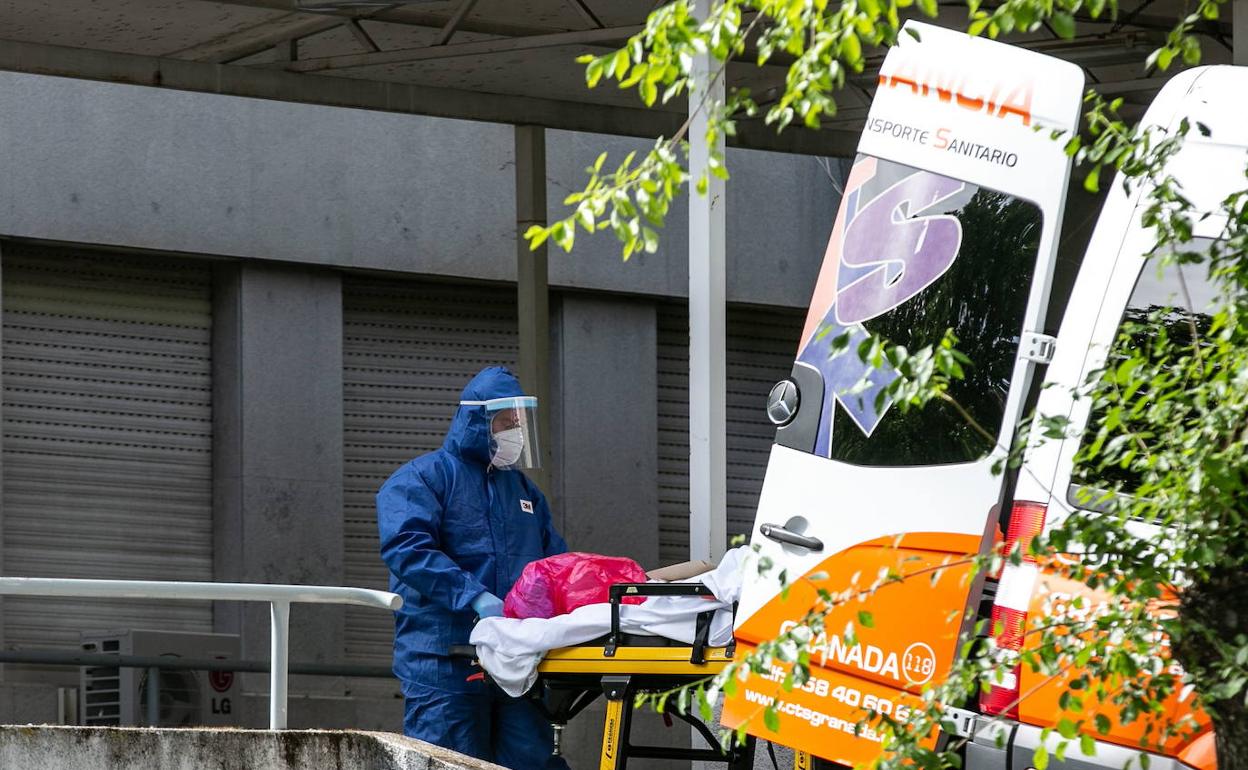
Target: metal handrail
{"points": [[279, 597]]}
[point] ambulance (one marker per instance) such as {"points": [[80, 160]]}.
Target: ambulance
{"points": [[950, 219]]}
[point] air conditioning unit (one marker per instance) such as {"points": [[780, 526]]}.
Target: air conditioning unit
{"points": [[114, 696]]}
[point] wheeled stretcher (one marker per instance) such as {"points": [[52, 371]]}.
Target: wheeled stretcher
{"points": [[621, 666]]}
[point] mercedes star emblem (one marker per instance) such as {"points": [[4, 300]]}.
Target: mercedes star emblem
{"points": [[782, 402]]}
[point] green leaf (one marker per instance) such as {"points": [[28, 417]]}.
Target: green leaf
{"points": [[1040, 759], [772, 720], [1090, 183], [1063, 24], [704, 705], [536, 235], [620, 64], [851, 47], [865, 620], [1191, 51], [649, 92], [1067, 729], [1087, 744]]}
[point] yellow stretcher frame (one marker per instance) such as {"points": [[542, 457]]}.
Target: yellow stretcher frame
{"points": [[570, 678], [633, 660], [623, 674]]}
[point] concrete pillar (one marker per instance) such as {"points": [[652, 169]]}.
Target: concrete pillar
{"points": [[533, 305], [605, 493], [277, 450], [606, 426], [708, 456], [1239, 32]]}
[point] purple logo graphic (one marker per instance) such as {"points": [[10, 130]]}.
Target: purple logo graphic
{"points": [[890, 252], [846, 379]]}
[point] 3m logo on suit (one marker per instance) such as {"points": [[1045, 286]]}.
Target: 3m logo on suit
{"points": [[526, 506]]}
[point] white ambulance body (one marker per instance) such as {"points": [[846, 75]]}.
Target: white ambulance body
{"points": [[949, 220]]}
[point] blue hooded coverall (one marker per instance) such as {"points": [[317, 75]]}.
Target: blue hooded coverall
{"points": [[452, 527]]}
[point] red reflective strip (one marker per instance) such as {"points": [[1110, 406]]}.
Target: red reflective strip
{"points": [[1026, 521], [1008, 627], [995, 700]]}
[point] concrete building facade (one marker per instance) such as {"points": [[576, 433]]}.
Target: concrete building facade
{"points": [[227, 320]]}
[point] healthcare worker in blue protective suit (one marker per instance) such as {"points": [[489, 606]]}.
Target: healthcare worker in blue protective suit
{"points": [[457, 526]]}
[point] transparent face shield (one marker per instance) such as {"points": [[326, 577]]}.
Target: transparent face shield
{"points": [[513, 432]]}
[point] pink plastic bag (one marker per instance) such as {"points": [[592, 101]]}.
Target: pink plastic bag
{"points": [[559, 584]]}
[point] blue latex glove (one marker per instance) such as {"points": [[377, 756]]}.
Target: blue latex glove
{"points": [[487, 605]]}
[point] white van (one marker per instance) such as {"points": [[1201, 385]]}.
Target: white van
{"points": [[1115, 283], [949, 220]]}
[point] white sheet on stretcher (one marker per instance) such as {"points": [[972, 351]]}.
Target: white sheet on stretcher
{"points": [[510, 649]]}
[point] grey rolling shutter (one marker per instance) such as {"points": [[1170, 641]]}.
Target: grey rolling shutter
{"points": [[673, 424], [762, 344], [408, 350], [107, 436]]}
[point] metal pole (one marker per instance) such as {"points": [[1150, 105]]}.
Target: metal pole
{"points": [[708, 532], [533, 293], [153, 697], [233, 665], [279, 647]]}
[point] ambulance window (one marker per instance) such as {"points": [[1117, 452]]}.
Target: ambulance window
{"points": [[1176, 295], [988, 242]]}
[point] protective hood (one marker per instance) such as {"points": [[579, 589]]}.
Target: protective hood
{"points": [[469, 436]]}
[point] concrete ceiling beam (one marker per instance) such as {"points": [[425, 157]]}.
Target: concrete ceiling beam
{"points": [[411, 16], [260, 83], [453, 23], [240, 44], [478, 48], [586, 13]]}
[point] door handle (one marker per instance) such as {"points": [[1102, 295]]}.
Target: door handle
{"points": [[782, 535]]}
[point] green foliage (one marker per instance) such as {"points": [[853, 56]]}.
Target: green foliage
{"points": [[1163, 544], [821, 42]]}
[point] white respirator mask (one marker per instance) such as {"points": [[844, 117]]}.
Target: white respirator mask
{"points": [[508, 446]]}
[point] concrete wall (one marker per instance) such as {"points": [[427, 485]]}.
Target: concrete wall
{"points": [[605, 427], [779, 213], [277, 451], [604, 387], [123, 165], [288, 194], [79, 748], [139, 167]]}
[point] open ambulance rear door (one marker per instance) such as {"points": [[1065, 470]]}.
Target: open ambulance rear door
{"points": [[949, 219]]}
